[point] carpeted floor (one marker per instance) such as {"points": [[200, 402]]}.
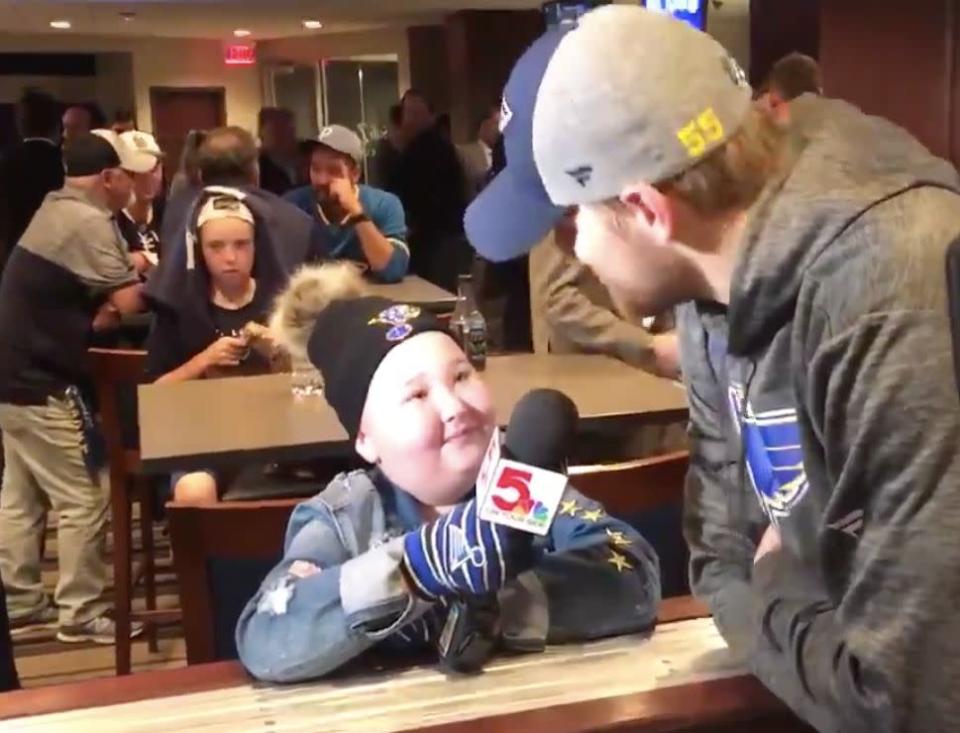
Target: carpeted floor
{"points": [[42, 660]]}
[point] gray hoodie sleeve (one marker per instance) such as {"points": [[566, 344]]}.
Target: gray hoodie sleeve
{"points": [[873, 645], [720, 518]]}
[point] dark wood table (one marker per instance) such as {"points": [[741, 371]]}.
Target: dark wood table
{"points": [[414, 289], [708, 691], [216, 422]]}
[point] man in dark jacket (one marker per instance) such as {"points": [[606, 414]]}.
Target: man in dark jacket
{"points": [[807, 264], [31, 169], [430, 183], [279, 158]]}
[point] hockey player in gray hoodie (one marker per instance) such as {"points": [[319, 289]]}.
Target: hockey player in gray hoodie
{"points": [[807, 264]]}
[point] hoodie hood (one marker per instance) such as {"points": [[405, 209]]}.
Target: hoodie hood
{"points": [[282, 241], [844, 164], [182, 282]]}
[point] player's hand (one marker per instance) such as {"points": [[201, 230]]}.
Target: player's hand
{"points": [[770, 542], [107, 318], [461, 554], [226, 351], [666, 352], [346, 194]]}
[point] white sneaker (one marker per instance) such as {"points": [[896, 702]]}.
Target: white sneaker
{"points": [[100, 630], [45, 618]]}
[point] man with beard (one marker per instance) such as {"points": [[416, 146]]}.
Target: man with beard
{"points": [[806, 264], [358, 222]]}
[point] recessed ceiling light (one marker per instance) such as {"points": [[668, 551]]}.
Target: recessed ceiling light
{"points": [[312, 25], [61, 25], [128, 16], [241, 33]]}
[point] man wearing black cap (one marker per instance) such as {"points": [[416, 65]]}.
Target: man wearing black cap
{"points": [[68, 273], [806, 265]]}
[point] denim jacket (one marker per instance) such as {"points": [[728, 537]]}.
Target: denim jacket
{"points": [[339, 590]]}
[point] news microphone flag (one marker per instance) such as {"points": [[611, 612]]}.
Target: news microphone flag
{"points": [[518, 495]]}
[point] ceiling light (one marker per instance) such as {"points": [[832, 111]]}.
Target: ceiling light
{"points": [[312, 25], [61, 25], [241, 33], [128, 16]]}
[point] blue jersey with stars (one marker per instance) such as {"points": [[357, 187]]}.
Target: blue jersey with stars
{"points": [[340, 590]]}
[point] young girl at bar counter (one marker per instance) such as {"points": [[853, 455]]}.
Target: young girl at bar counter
{"points": [[377, 559]]}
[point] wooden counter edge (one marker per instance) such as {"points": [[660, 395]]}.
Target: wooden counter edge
{"points": [[198, 678], [731, 704], [117, 690]]}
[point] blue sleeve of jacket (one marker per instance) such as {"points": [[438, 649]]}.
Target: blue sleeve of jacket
{"points": [[596, 577], [390, 220], [321, 606]]}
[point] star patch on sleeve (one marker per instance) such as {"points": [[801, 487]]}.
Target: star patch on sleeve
{"points": [[569, 508], [592, 516], [618, 539], [274, 602], [619, 561]]}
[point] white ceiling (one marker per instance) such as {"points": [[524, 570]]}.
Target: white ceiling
{"points": [[218, 18]]}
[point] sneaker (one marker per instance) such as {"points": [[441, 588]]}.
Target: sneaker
{"points": [[45, 618], [101, 630]]}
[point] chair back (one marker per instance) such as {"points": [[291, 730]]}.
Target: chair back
{"points": [[648, 494], [222, 552], [634, 486], [116, 374]]}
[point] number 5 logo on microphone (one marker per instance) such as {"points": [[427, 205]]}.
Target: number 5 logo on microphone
{"points": [[519, 481], [523, 497]]}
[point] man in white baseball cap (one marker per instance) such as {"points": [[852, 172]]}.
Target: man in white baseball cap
{"points": [[807, 270], [69, 275], [357, 222], [140, 221]]}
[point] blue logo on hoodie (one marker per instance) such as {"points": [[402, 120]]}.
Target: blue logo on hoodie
{"points": [[774, 455]]}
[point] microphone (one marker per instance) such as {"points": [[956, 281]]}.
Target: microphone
{"points": [[538, 441], [542, 430]]}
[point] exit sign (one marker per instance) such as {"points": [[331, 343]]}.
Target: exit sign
{"points": [[239, 54]]}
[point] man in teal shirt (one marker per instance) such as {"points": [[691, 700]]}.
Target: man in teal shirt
{"points": [[359, 222]]}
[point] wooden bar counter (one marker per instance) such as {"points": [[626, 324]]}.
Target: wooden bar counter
{"points": [[680, 678]]}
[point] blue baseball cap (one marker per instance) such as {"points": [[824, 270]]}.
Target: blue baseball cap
{"points": [[514, 212]]}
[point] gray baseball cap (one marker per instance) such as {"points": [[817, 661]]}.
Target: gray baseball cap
{"points": [[631, 95], [343, 140]]}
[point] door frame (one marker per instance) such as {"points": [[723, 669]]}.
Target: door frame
{"points": [[220, 92]]}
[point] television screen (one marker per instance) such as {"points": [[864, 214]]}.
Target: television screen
{"points": [[559, 12], [693, 12]]}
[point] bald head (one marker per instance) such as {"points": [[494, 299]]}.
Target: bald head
{"points": [[228, 156]]}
